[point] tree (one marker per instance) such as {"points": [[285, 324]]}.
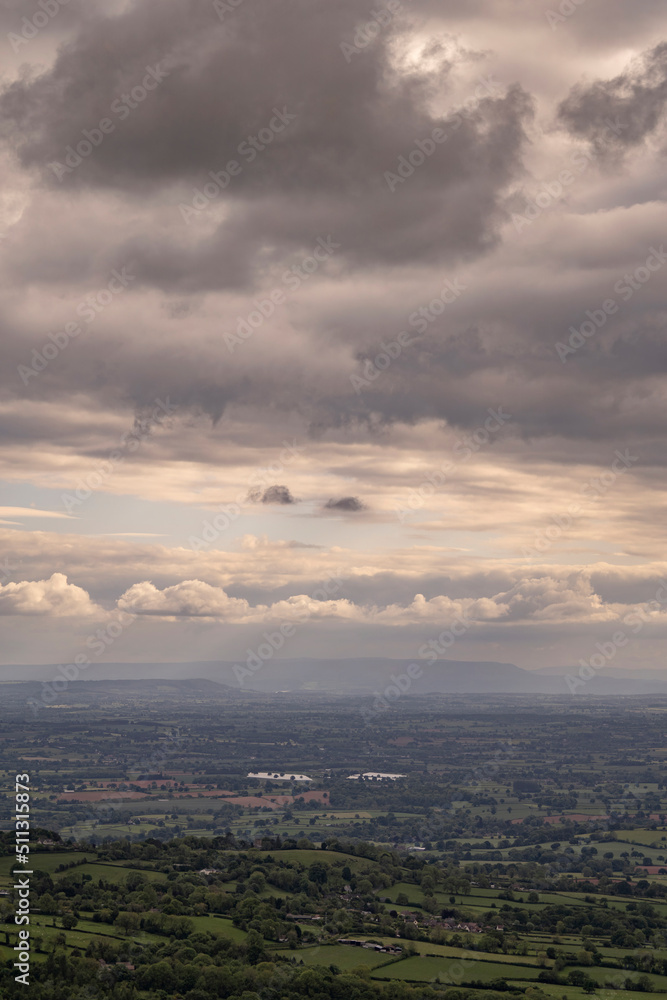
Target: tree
{"points": [[47, 903], [127, 922], [254, 946], [159, 976], [318, 873]]}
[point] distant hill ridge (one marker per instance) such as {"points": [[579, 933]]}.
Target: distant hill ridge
{"points": [[363, 675]]}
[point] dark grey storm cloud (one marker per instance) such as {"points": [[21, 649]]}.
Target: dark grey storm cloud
{"points": [[636, 99], [322, 175], [352, 504], [281, 495], [24, 22], [332, 130]]}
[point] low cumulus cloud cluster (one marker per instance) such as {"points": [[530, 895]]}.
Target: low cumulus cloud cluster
{"points": [[212, 604], [548, 595]]}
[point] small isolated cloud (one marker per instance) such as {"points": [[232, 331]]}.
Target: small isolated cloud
{"points": [[346, 503], [55, 597], [281, 495]]}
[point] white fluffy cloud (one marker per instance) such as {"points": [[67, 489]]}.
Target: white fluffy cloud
{"points": [[55, 597], [535, 600], [196, 599], [192, 598]]}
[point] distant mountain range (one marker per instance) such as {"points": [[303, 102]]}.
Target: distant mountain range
{"points": [[366, 676]]}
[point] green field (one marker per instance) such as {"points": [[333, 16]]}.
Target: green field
{"points": [[42, 861], [308, 857], [110, 872], [557, 992], [45, 933], [602, 976], [344, 956], [220, 926], [447, 951], [644, 837], [42, 932], [424, 969]]}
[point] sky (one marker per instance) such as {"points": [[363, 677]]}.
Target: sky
{"points": [[339, 315]]}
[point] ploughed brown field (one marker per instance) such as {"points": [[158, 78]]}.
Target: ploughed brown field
{"points": [[273, 802]]}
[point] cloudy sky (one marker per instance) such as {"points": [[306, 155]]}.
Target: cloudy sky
{"points": [[345, 314]]}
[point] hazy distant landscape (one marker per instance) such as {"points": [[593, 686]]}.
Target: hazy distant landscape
{"points": [[366, 676], [489, 844]]}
